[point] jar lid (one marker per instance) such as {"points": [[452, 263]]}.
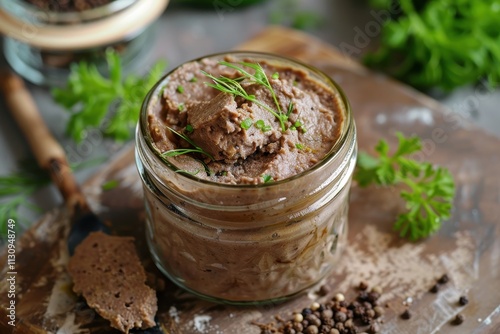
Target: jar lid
{"points": [[108, 30]]}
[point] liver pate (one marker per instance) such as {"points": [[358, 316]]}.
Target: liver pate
{"points": [[107, 272], [245, 154]]}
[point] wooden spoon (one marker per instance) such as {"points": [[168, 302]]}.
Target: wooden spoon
{"points": [[50, 156]]}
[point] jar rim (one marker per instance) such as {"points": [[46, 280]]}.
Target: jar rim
{"points": [[81, 35], [22, 8], [346, 125]]}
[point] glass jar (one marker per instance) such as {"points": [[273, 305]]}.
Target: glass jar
{"points": [[41, 45], [243, 244]]}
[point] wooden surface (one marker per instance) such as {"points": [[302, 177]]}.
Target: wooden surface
{"points": [[467, 248]]}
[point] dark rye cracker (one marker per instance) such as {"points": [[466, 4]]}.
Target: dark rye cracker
{"points": [[107, 272]]}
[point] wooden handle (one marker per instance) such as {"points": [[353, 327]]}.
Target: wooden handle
{"points": [[48, 153]]}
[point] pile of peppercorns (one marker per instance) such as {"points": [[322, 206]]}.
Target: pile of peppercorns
{"points": [[336, 316]]}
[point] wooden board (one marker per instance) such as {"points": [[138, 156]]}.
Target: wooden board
{"points": [[467, 248]]}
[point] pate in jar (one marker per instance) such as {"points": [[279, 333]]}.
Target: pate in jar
{"points": [[246, 161]]}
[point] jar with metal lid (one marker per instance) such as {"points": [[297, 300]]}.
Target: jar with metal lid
{"points": [[41, 42], [247, 243]]}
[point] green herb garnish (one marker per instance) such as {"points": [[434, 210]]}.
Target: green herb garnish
{"points": [[246, 124], [430, 190], [439, 43], [267, 178], [290, 109], [299, 146], [291, 13], [189, 128], [15, 190], [193, 79], [109, 185], [181, 107], [180, 89], [233, 86], [261, 125], [275, 75], [180, 151], [17, 187], [90, 98]]}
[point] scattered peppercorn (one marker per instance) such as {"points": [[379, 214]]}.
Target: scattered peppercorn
{"points": [[339, 297], [379, 311], [314, 306], [443, 279], [306, 311], [406, 315], [324, 290], [312, 329], [463, 300], [459, 319], [298, 317], [434, 289], [374, 328], [340, 317], [363, 286]]}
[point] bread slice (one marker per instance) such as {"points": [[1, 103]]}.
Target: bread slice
{"points": [[107, 272]]}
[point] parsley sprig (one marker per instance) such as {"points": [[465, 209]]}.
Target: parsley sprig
{"points": [[439, 43], [234, 87], [429, 190], [90, 98]]}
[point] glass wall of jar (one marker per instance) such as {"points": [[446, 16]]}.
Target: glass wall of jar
{"points": [[247, 243]]}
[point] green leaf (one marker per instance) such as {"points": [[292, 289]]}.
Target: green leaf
{"points": [[439, 43], [428, 192], [90, 98], [246, 124], [109, 185], [267, 178]]}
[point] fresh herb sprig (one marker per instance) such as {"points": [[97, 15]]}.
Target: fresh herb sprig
{"points": [[90, 98], [180, 151], [439, 43], [430, 190], [291, 13], [234, 87], [15, 190], [17, 187]]}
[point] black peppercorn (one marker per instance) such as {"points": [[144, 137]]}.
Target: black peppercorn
{"points": [[406, 315], [459, 319], [306, 311], [443, 279]]}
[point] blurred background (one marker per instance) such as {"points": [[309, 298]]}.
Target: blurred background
{"points": [[448, 53]]}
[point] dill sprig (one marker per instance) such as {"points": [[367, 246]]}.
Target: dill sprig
{"points": [[234, 87], [180, 151]]}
